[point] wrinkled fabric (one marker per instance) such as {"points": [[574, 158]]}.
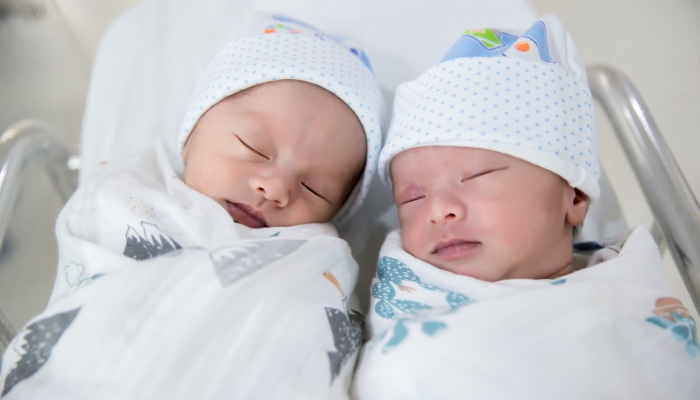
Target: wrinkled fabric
{"points": [[159, 294], [608, 331]]}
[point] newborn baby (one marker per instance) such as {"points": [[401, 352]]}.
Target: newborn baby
{"points": [[285, 137], [281, 153], [221, 277], [492, 158], [485, 214]]}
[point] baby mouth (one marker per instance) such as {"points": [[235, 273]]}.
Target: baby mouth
{"points": [[246, 215], [455, 248]]}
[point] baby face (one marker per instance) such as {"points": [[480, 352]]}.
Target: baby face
{"points": [[485, 214], [279, 154]]}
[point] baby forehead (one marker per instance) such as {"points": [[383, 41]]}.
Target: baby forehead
{"points": [[419, 168], [426, 158]]}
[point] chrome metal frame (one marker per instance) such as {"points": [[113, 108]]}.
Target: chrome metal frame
{"points": [[675, 208], [7, 332], [21, 143]]}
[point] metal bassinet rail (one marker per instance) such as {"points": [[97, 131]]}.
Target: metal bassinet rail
{"points": [[671, 200], [672, 203], [23, 142]]}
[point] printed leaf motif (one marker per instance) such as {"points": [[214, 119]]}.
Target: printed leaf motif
{"points": [[383, 290], [487, 37], [431, 328], [384, 309], [235, 262], [671, 314], [664, 323], [681, 332], [410, 306], [480, 43], [74, 273], [40, 338], [399, 333], [456, 300], [392, 272]]}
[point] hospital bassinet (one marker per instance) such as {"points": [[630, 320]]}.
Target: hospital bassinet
{"points": [[151, 56]]}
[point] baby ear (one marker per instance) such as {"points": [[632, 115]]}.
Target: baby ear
{"points": [[577, 207]]}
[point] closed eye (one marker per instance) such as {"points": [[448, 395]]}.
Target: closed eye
{"points": [[252, 149], [488, 171], [312, 191], [412, 200], [412, 192]]}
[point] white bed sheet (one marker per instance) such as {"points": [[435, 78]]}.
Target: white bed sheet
{"points": [[151, 57]]}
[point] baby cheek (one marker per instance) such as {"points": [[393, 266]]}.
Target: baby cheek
{"points": [[295, 215], [409, 241], [211, 176], [414, 231], [313, 213], [503, 221], [531, 232]]}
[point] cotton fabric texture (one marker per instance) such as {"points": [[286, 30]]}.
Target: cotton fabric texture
{"points": [[274, 47], [160, 295], [526, 96], [609, 331]]}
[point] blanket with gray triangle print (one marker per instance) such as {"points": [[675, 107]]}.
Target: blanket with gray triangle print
{"points": [[159, 294]]}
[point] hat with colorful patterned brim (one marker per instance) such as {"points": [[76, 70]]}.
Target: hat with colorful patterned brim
{"points": [[522, 95]]}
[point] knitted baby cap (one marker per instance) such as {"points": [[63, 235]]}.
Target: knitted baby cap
{"points": [[273, 47], [526, 96]]}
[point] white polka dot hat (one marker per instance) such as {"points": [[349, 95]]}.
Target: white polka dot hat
{"points": [[273, 47], [526, 96]]}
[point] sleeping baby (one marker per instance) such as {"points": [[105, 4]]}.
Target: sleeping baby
{"points": [[225, 280], [492, 158]]}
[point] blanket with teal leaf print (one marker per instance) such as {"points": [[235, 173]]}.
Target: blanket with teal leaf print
{"points": [[611, 330]]}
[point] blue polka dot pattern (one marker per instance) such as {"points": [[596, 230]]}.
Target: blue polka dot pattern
{"points": [[310, 57], [533, 109]]}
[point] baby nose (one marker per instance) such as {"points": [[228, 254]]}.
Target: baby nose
{"points": [[444, 209], [274, 186]]}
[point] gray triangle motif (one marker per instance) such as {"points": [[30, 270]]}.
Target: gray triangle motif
{"points": [[235, 262]]}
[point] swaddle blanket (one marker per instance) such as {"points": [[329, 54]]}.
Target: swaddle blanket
{"points": [[608, 331], [159, 294]]}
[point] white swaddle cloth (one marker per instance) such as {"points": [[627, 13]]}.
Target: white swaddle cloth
{"points": [[609, 331], [159, 294]]}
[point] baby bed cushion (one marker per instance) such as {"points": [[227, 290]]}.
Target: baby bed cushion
{"points": [[608, 331], [150, 58], [159, 294]]}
